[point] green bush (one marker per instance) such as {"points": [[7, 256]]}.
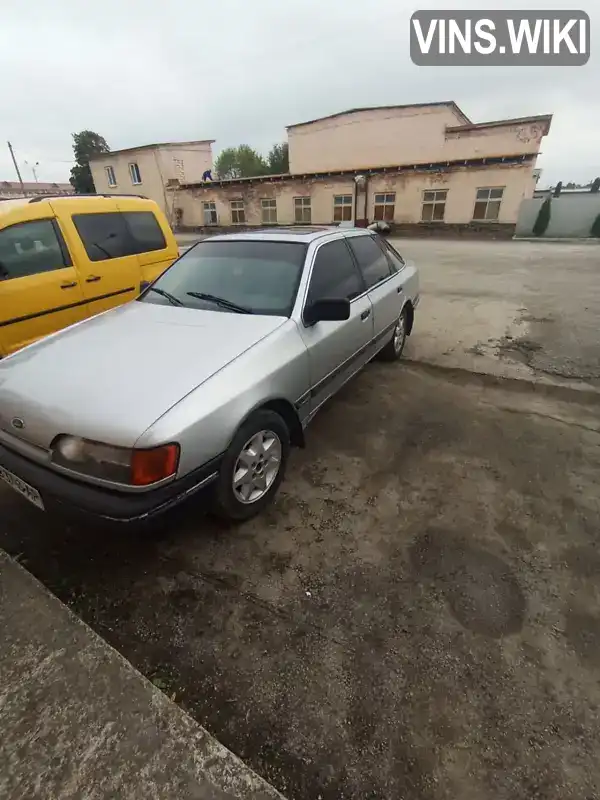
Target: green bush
{"points": [[543, 218], [595, 231]]}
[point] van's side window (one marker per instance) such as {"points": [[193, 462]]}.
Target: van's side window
{"points": [[145, 230], [29, 248], [104, 235]]}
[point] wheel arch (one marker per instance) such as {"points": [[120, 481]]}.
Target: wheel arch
{"points": [[408, 308], [287, 412]]}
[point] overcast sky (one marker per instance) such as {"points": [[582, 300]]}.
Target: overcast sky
{"points": [[141, 71]]}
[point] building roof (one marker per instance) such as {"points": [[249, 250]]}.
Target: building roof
{"points": [[449, 103], [498, 123], [483, 161], [39, 187], [98, 156]]}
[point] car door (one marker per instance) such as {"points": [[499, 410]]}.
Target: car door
{"points": [[40, 291], [154, 242], [384, 284], [104, 253], [336, 349]]}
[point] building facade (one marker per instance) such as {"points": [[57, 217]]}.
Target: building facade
{"points": [[151, 169], [419, 167]]}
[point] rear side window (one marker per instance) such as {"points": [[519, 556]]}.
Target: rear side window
{"points": [[334, 274], [145, 231], [30, 248], [104, 235], [395, 257], [371, 260]]}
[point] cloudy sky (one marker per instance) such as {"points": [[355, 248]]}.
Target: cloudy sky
{"points": [[140, 71]]}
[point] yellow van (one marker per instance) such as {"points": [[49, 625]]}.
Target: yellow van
{"points": [[63, 259]]}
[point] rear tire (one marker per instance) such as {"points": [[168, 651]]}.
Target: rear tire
{"points": [[394, 348], [253, 467]]}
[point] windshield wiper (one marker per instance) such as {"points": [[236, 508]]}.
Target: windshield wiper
{"points": [[221, 301], [170, 297]]}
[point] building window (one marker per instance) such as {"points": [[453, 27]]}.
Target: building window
{"points": [[110, 176], [269, 210], [238, 214], [134, 172], [342, 207], [384, 207], [210, 213], [302, 209], [434, 205], [487, 204]]}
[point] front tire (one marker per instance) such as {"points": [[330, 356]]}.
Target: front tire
{"points": [[394, 348], [253, 467]]}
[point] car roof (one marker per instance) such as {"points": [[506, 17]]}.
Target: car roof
{"points": [[299, 233], [8, 205]]}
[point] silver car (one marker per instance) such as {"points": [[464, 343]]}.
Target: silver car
{"points": [[207, 379]]}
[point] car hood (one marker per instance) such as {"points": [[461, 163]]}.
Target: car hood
{"points": [[110, 377]]}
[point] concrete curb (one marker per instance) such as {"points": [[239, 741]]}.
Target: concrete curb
{"points": [[556, 240], [586, 395], [80, 723]]}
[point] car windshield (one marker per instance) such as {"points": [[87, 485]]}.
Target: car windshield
{"points": [[258, 277]]}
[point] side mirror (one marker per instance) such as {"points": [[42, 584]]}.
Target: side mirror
{"points": [[331, 310]]}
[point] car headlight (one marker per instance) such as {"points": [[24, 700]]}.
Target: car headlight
{"points": [[116, 464]]}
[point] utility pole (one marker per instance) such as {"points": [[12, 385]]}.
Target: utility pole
{"points": [[16, 167]]}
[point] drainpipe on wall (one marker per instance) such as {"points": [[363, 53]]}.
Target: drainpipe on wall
{"points": [[360, 182], [168, 213]]}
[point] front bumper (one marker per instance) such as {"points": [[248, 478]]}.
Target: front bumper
{"points": [[115, 506]]}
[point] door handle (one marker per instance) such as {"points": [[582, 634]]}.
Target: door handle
{"points": [[68, 285], [365, 314], [92, 278]]}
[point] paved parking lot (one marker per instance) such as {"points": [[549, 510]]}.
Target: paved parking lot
{"points": [[418, 616]]}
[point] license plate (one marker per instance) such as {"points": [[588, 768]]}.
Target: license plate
{"points": [[22, 488]]}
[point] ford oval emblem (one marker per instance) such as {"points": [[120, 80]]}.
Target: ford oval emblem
{"points": [[18, 423]]}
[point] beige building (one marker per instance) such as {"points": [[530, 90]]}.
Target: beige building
{"points": [[420, 167], [150, 169]]}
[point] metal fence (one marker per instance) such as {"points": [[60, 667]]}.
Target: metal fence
{"points": [[572, 215]]}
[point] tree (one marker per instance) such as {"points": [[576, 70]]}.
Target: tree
{"points": [[278, 159], [240, 162], [543, 218], [85, 145], [596, 186], [558, 189], [595, 231]]}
